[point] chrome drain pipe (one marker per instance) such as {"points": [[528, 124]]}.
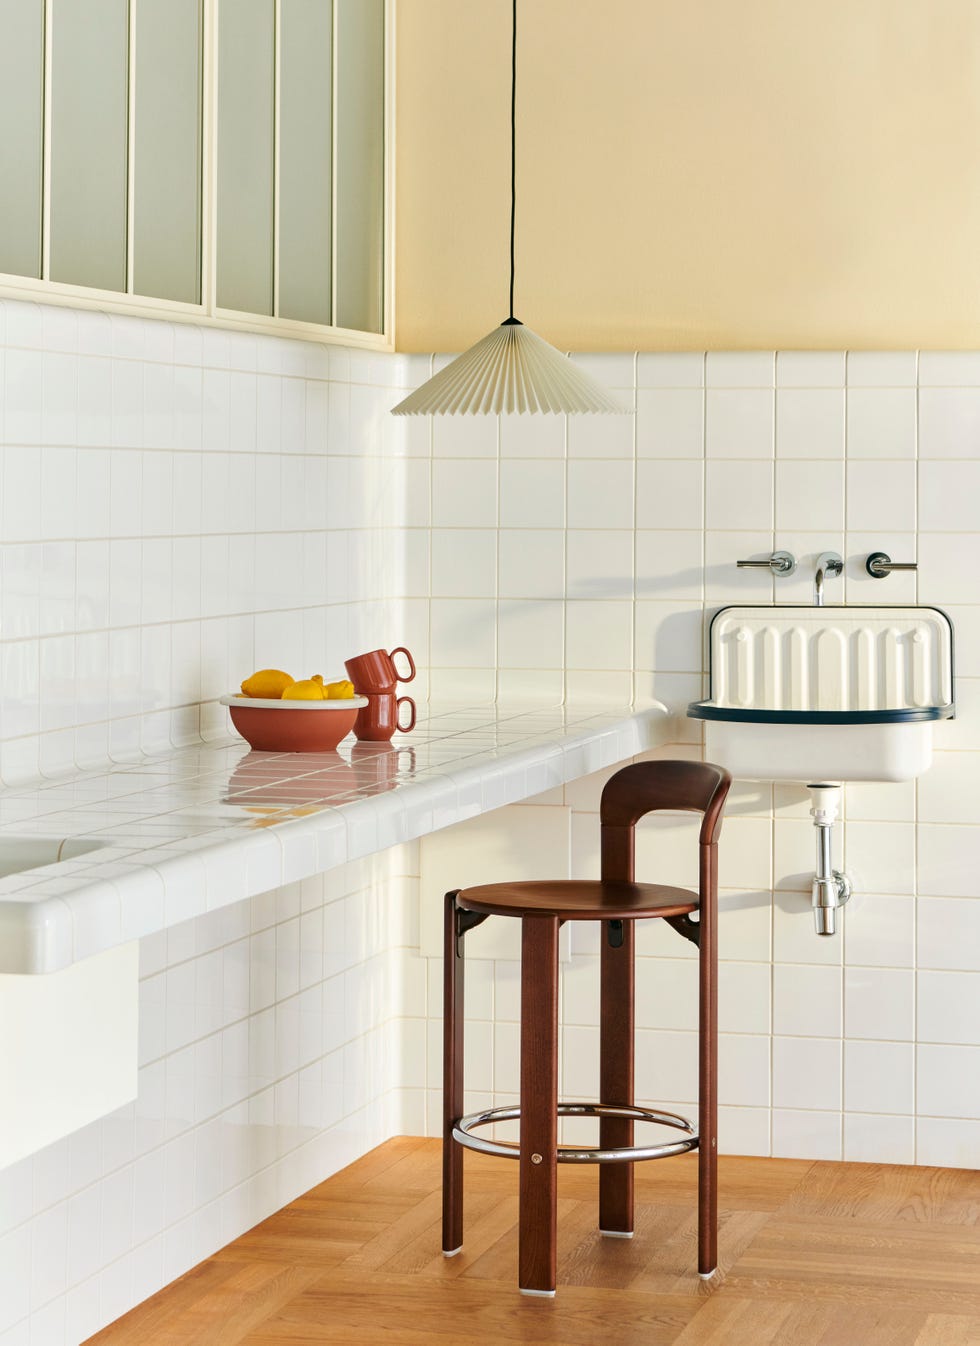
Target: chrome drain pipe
{"points": [[831, 888]]}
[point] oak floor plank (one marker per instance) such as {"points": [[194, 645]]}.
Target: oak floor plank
{"points": [[301, 1242], [924, 1267], [373, 1164], [159, 1315], [498, 1223], [888, 1192], [736, 1321], [613, 1263], [671, 1263], [811, 1254], [947, 1329], [383, 1305], [499, 1262], [223, 1316], [414, 1172]]}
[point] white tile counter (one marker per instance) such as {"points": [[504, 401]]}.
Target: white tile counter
{"points": [[198, 828]]}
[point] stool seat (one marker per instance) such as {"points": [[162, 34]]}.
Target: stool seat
{"points": [[579, 899]]}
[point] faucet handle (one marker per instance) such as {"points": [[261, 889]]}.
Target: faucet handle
{"points": [[779, 563], [880, 565]]}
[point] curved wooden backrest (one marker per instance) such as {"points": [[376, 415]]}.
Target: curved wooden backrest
{"points": [[644, 787]]}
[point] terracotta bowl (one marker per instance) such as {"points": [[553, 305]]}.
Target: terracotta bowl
{"points": [[293, 726]]}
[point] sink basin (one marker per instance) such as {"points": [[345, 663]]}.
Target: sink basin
{"points": [[826, 694], [18, 854]]}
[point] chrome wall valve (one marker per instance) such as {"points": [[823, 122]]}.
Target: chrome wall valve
{"points": [[780, 563], [880, 565]]}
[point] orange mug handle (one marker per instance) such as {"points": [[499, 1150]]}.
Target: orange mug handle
{"points": [[404, 728], [400, 649]]}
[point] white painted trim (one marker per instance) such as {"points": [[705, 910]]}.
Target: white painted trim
{"points": [[276, 131], [209, 156], [131, 146], [209, 62], [46, 149], [333, 164], [30, 290], [389, 193]]}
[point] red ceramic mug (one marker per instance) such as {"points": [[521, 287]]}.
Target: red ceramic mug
{"points": [[378, 720], [377, 671]]}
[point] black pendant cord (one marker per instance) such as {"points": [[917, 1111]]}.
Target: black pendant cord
{"points": [[513, 153]]}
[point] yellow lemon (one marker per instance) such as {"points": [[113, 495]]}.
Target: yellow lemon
{"points": [[307, 689], [339, 691], [270, 683]]}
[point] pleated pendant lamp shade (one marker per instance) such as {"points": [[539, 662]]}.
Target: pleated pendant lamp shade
{"points": [[512, 369]]}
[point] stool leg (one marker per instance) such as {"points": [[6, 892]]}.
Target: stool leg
{"points": [[616, 1037], [539, 1104], [708, 1068], [452, 1082]]}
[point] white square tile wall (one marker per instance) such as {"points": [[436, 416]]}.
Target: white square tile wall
{"points": [[857, 1047], [179, 506]]}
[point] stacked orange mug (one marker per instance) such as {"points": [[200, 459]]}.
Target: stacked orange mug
{"points": [[374, 675]]}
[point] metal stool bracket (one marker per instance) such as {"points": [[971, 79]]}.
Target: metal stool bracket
{"points": [[685, 926], [572, 1154]]}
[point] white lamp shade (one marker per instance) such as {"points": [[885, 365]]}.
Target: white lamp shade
{"points": [[511, 370]]}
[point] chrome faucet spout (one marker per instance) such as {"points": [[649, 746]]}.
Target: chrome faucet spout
{"points": [[828, 563]]}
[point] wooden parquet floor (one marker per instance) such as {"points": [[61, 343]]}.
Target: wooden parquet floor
{"points": [[812, 1254]]}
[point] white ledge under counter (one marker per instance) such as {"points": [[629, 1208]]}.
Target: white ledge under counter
{"points": [[197, 828]]}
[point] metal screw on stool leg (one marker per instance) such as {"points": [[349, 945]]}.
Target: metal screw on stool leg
{"points": [[535, 1158]]}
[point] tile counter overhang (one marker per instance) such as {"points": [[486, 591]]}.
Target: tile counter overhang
{"points": [[200, 827]]}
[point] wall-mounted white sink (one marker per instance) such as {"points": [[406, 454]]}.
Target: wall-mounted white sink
{"points": [[18, 854], [825, 695]]}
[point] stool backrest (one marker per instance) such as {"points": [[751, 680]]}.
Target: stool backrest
{"points": [[645, 787]]}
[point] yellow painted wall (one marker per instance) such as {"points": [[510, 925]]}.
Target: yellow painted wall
{"points": [[692, 173]]}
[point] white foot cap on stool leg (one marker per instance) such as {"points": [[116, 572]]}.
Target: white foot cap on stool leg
{"points": [[451, 1252], [707, 1275], [539, 1294], [616, 1233]]}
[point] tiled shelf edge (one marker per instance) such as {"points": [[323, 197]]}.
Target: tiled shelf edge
{"points": [[474, 760]]}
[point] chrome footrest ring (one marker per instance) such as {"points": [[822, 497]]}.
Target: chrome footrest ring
{"points": [[573, 1154]]}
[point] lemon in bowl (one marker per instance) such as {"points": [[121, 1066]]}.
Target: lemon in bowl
{"points": [[267, 683]]}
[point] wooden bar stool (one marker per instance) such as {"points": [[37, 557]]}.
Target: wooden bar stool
{"points": [[617, 901]]}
